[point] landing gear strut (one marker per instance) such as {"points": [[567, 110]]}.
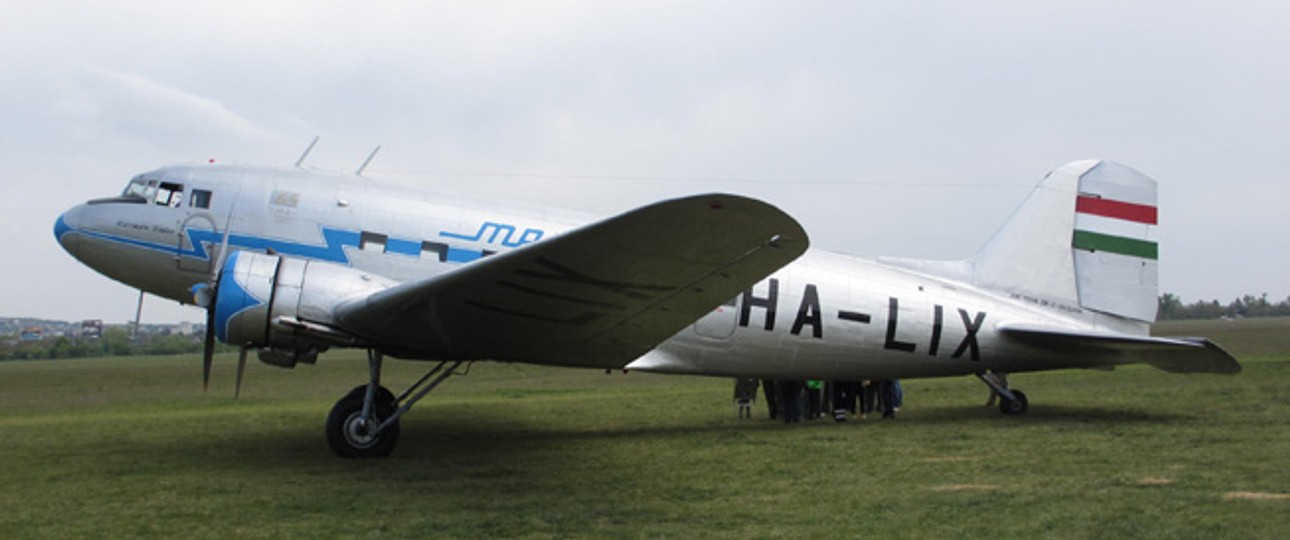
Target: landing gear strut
{"points": [[365, 423], [1011, 402]]}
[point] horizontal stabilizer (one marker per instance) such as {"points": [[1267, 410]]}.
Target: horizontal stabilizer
{"points": [[1176, 355]]}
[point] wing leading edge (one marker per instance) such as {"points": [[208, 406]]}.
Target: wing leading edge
{"points": [[1177, 355], [600, 295]]}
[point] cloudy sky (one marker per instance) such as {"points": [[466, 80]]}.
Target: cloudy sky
{"points": [[892, 128]]}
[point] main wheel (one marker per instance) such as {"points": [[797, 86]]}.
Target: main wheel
{"points": [[382, 393], [1016, 406], [350, 435]]}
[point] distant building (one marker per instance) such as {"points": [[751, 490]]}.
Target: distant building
{"points": [[32, 333], [91, 329]]}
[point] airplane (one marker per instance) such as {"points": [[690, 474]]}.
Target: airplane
{"points": [[290, 262]]}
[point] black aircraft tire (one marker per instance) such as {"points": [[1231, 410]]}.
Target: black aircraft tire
{"points": [[344, 434], [1014, 407], [382, 393]]}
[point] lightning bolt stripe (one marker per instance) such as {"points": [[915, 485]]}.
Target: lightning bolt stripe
{"points": [[332, 250]]}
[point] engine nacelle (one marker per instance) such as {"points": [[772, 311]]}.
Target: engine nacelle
{"points": [[268, 302]]}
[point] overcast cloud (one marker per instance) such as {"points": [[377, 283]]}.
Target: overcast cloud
{"points": [[893, 128]]}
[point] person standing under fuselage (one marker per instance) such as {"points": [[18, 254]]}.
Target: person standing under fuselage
{"points": [[770, 388], [745, 395], [814, 399]]}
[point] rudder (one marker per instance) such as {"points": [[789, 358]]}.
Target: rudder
{"points": [[1084, 239], [1116, 254]]}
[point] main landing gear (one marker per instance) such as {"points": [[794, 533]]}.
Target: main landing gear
{"points": [[1011, 402], [365, 423]]}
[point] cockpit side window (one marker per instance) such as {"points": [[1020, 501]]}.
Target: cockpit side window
{"points": [[201, 198], [168, 194]]}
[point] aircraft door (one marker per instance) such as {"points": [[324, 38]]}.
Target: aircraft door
{"points": [[189, 257], [720, 324], [199, 238]]}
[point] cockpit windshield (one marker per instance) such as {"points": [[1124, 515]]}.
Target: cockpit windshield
{"points": [[154, 191], [138, 187]]}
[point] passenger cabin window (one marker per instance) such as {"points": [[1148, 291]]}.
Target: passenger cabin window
{"points": [[369, 241], [434, 250], [201, 198]]}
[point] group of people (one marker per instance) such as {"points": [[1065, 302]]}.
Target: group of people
{"points": [[793, 400]]}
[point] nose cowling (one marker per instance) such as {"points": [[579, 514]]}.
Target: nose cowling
{"points": [[65, 227]]}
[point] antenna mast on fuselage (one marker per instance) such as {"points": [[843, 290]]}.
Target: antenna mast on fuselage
{"points": [[307, 150], [359, 172]]}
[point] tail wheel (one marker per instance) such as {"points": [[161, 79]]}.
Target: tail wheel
{"points": [[350, 435], [1016, 406]]}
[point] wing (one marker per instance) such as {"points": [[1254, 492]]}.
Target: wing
{"points": [[1178, 355], [601, 295]]}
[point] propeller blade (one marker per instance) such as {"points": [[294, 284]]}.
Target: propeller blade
{"points": [[208, 350], [241, 367]]}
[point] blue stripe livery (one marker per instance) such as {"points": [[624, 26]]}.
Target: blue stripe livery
{"points": [[60, 228], [336, 240], [403, 247], [333, 251]]}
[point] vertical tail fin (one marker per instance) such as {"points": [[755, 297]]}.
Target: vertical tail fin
{"points": [[1084, 238]]}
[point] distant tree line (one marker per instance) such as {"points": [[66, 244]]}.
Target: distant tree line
{"points": [[1173, 308], [115, 341]]}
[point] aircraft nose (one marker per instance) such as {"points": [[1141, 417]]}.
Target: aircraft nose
{"points": [[66, 223]]}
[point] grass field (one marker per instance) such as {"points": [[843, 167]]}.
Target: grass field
{"points": [[116, 448]]}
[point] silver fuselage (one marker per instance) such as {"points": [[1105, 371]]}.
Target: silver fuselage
{"points": [[825, 316]]}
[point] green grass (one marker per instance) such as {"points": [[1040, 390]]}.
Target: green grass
{"points": [[114, 448]]}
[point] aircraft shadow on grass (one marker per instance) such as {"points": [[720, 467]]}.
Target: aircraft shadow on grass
{"points": [[467, 458], [1047, 415], [487, 436]]}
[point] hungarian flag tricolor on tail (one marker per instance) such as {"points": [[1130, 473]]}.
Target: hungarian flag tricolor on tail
{"points": [[1115, 226]]}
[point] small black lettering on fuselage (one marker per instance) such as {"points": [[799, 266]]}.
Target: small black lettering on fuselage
{"points": [[133, 226], [811, 314]]}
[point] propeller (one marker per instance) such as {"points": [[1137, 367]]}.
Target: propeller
{"points": [[205, 295]]}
